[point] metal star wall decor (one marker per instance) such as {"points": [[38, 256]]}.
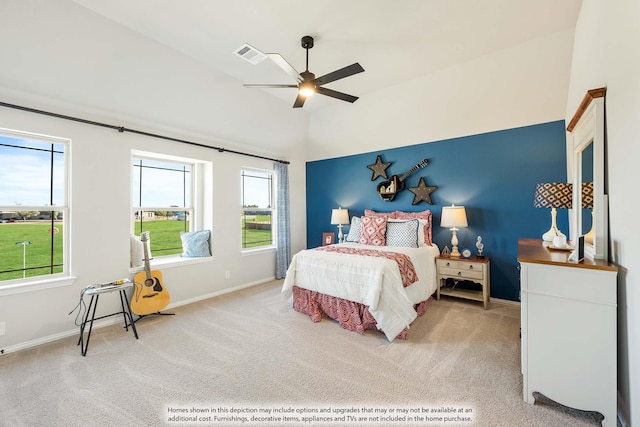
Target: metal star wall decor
{"points": [[379, 168], [422, 192]]}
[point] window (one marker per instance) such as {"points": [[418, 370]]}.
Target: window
{"points": [[162, 201], [33, 205], [257, 209]]}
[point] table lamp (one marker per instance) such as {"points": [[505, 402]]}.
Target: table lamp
{"points": [[340, 217], [554, 195], [453, 217]]}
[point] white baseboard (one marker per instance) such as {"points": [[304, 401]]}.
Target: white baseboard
{"points": [[506, 302], [118, 319], [218, 293]]}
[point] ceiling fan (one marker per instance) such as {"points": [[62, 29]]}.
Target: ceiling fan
{"points": [[308, 83]]}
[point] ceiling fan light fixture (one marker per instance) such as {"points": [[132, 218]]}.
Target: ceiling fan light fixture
{"points": [[306, 81], [306, 89]]}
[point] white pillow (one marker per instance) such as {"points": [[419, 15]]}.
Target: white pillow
{"points": [[402, 233], [422, 223], [136, 251]]}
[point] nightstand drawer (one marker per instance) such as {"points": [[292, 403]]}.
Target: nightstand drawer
{"points": [[460, 265], [461, 273]]}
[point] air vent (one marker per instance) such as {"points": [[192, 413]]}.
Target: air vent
{"points": [[250, 54]]}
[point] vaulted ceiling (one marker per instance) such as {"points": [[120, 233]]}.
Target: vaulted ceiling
{"points": [[394, 41], [172, 62]]}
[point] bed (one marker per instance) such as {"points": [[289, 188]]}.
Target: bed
{"points": [[382, 277]]}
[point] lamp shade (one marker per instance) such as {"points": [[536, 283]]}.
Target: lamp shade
{"points": [[553, 195], [453, 217], [587, 195], [339, 216]]}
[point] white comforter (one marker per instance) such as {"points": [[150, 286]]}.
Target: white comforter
{"points": [[373, 281]]}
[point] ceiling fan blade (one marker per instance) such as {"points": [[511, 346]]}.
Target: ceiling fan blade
{"points": [[299, 101], [339, 74], [282, 63], [269, 85], [336, 94]]}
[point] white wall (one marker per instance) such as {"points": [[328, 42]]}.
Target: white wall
{"points": [[58, 49], [100, 225], [607, 53], [52, 52], [514, 87]]}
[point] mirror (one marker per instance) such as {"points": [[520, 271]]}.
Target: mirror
{"points": [[587, 194], [587, 144]]}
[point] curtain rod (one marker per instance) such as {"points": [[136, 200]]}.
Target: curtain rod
{"points": [[122, 129]]}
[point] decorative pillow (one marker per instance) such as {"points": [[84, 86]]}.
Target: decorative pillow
{"points": [[424, 215], [373, 231], [355, 230], [195, 243], [369, 212], [136, 251], [423, 231], [402, 233]]}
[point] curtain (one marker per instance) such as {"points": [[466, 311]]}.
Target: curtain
{"points": [[283, 229]]}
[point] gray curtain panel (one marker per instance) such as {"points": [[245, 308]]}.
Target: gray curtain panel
{"points": [[283, 237]]}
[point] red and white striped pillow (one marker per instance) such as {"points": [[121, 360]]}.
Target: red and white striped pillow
{"points": [[374, 230]]}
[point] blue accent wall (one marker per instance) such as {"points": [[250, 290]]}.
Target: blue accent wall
{"points": [[493, 175]]}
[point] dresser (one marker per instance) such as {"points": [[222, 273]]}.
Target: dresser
{"points": [[568, 323]]}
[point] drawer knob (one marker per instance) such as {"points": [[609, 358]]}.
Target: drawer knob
{"points": [[459, 273], [471, 267], [448, 264]]}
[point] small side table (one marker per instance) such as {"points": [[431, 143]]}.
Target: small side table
{"points": [[473, 269], [95, 291]]}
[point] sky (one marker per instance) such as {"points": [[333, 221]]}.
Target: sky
{"points": [[25, 179], [25, 174]]}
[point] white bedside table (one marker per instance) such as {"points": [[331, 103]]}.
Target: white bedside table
{"points": [[473, 269]]}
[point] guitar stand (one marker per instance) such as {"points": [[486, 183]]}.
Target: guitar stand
{"points": [[157, 313]]}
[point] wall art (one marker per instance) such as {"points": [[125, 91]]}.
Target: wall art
{"points": [[388, 189]]}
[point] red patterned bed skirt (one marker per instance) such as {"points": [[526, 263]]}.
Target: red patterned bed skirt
{"points": [[351, 315]]}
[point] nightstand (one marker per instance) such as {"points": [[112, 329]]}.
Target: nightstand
{"points": [[473, 269]]}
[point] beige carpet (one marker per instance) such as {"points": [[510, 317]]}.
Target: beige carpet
{"points": [[250, 351]]}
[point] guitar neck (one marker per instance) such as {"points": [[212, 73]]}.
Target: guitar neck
{"points": [[147, 267], [410, 171]]}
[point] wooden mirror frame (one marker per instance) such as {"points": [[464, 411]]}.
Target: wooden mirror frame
{"points": [[587, 127]]}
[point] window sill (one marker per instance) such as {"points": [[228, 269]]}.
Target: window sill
{"points": [[35, 285], [171, 262], [256, 251]]}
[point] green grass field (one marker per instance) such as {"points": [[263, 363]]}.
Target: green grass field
{"points": [[252, 238], [164, 236], [38, 253]]}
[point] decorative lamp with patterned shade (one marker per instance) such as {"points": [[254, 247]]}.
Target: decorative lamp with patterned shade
{"points": [[554, 195]]}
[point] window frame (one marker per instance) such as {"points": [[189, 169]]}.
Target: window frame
{"points": [[272, 209], [200, 204], [63, 277]]}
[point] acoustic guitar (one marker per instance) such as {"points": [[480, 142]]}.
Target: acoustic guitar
{"points": [[150, 296], [388, 189]]}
